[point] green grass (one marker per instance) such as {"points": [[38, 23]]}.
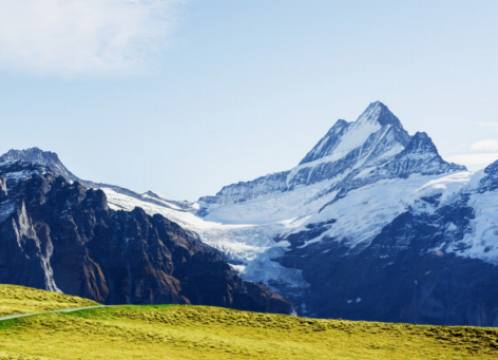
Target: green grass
{"points": [[188, 332], [21, 300]]}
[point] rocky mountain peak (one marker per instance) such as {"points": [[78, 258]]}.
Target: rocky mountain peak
{"points": [[492, 169], [345, 137], [420, 156], [421, 143], [351, 155], [328, 143], [378, 112], [36, 156], [31, 155], [489, 182]]}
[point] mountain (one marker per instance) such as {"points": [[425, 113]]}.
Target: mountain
{"points": [[44, 159], [373, 147], [62, 236], [371, 224]]}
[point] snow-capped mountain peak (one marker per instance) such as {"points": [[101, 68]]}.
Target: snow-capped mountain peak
{"points": [[378, 112], [421, 143], [344, 137], [31, 155], [489, 180], [328, 143], [350, 155], [36, 156], [420, 156], [373, 140]]}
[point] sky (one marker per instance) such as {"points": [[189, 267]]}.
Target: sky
{"points": [[183, 97]]}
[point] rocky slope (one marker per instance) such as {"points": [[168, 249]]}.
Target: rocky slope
{"points": [[62, 236]]}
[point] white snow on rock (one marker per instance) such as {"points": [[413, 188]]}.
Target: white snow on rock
{"points": [[481, 242], [364, 212], [354, 137], [448, 186], [276, 206]]}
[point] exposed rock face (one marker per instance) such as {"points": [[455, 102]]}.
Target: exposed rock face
{"points": [[57, 235]]}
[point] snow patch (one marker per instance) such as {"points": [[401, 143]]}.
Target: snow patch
{"points": [[482, 240], [362, 214], [354, 137], [448, 185]]}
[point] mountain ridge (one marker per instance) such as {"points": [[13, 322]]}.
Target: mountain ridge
{"points": [[63, 236], [372, 224], [372, 141]]}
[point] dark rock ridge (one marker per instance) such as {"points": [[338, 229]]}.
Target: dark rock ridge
{"points": [[51, 161], [62, 236]]}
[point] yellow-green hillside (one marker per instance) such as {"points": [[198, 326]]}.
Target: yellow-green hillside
{"points": [[21, 300], [186, 332]]}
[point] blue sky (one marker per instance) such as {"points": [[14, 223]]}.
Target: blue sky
{"points": [[183, 97]]}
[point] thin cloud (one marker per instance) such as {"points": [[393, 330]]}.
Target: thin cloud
{"points": [[488, 124], [481, 154], [82, 36], [485, 146], [474, 160]]}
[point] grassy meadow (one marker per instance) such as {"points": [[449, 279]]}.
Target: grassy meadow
{"points": [[21, 300], [196, 332]]}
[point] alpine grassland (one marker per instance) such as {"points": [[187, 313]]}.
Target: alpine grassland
{"points": [[197, 332], [21, 300]]}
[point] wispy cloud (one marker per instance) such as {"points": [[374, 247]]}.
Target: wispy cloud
{"points": [[488, 124], [481, 154], [67, 37], [474, 160], [485, 146]]}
